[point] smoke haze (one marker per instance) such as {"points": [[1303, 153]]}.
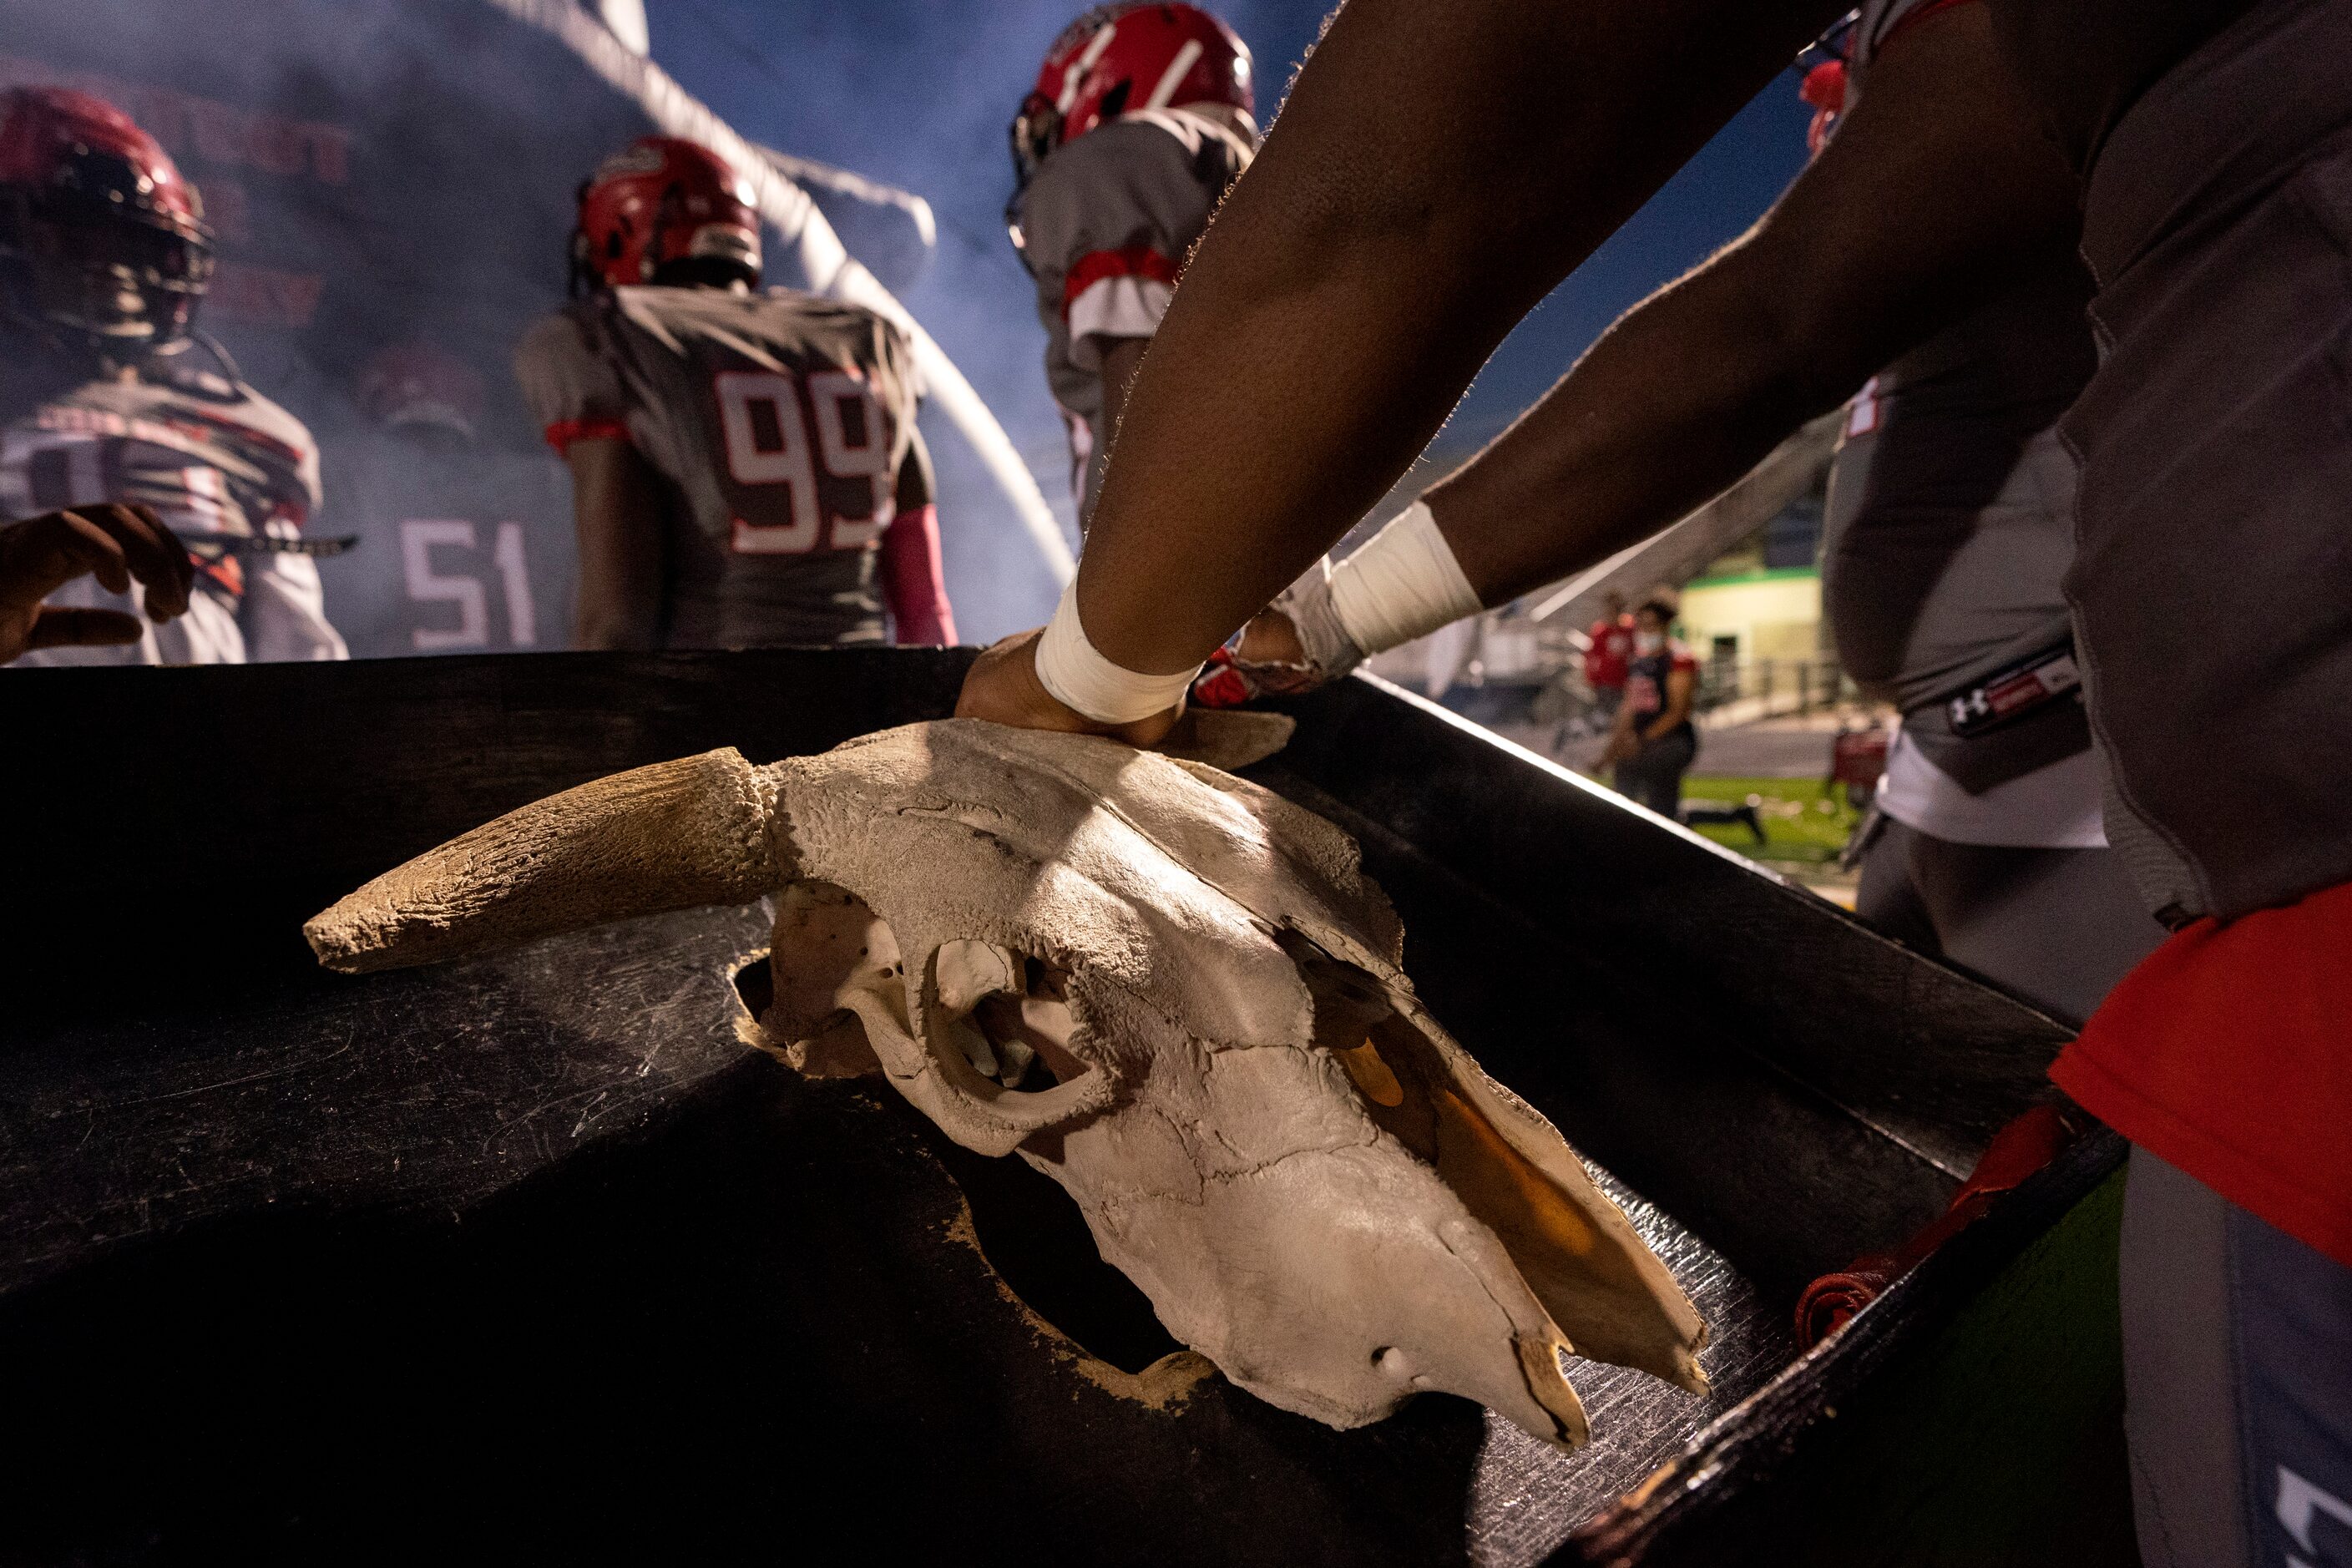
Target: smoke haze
{"points": [[391, 180]]}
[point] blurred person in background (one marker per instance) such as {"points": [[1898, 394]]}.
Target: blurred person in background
{"points": [[745, 464], [1140, 121], [1652, 742], [110, 396], [1609, 648], [478, 528]]}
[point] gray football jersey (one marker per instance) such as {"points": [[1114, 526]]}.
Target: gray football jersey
{"points": [[1126, 201], [782, 427], [180, 432], [211, 454], [1950, 525]]}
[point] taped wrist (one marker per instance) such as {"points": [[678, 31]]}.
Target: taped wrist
{"points": [[1331, 651], [1404, 584], [1081, 678]]}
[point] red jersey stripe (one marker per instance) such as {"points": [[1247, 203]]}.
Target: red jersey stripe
{"points": [[1135, 261], [564, 432]]}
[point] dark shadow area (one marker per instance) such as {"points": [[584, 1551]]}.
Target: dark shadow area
{"points": [[1029, 1229], [292, 785], [755, 983], [729, 1341], [1033, 1235]]}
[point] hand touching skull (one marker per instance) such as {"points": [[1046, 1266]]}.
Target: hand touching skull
{"points": [[1173, 992]]}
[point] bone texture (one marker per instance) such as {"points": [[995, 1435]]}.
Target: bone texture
{"points": [[671, 837], [1173, 991]]}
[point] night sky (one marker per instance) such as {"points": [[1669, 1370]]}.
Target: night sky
{"points": [[918, 92]]}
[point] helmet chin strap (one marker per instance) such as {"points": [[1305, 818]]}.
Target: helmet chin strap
{"points": [[72, 342]]}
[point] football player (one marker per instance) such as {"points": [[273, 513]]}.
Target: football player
{"points": [[1140, 121], [1395, 227], [110, 396], [745, 466], [1949, 524]]}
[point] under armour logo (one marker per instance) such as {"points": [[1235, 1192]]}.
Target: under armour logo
{"points": [[1973, 706]]}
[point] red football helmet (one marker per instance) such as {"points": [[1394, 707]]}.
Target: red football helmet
{"points": [[1126, 56], [422, 389], [663, 209], [99, 235]]}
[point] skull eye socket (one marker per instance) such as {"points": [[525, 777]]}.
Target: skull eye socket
{"points": [[847, 999], [1016, 1029]]}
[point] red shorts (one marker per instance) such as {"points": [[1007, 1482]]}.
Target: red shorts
{"points": [[2228, 1052]]}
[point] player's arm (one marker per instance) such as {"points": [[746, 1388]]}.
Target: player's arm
{"points": [[1938, 195], [914, 582], [1407, 209], [1935, 195], [1620, 742], [1428, 182], [566, 373], [1682, 681], [1120, 359], [118, 545], [616, 506]]}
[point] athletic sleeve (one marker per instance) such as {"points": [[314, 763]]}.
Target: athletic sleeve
{"points": [[1883, 20], [914, 580], [1106, 225], [571, 387], [284, 613]]}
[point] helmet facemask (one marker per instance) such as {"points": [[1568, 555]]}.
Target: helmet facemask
{"points": [[1035, 132], [89, 255]]}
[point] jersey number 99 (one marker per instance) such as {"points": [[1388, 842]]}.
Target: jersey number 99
{"points": [[771, 455]]}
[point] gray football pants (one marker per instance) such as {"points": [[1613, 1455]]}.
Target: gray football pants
{"points": [[2237, 1337], [2237, 1382], [2059, 927]]}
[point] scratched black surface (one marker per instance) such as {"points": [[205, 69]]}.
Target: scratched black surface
{"points": [[531, 1253]]}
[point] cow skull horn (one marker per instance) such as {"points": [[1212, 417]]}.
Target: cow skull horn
{"points": [[675, 836]]}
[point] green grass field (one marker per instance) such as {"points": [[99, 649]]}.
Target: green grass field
{"points": [[1805, 821]]}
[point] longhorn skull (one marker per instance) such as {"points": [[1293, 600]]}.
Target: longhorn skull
{"points": [[1173, 992]]}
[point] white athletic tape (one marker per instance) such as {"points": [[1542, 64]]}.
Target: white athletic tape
{"points": [[1404, 584], [1331, 651], [1082, 678]]}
